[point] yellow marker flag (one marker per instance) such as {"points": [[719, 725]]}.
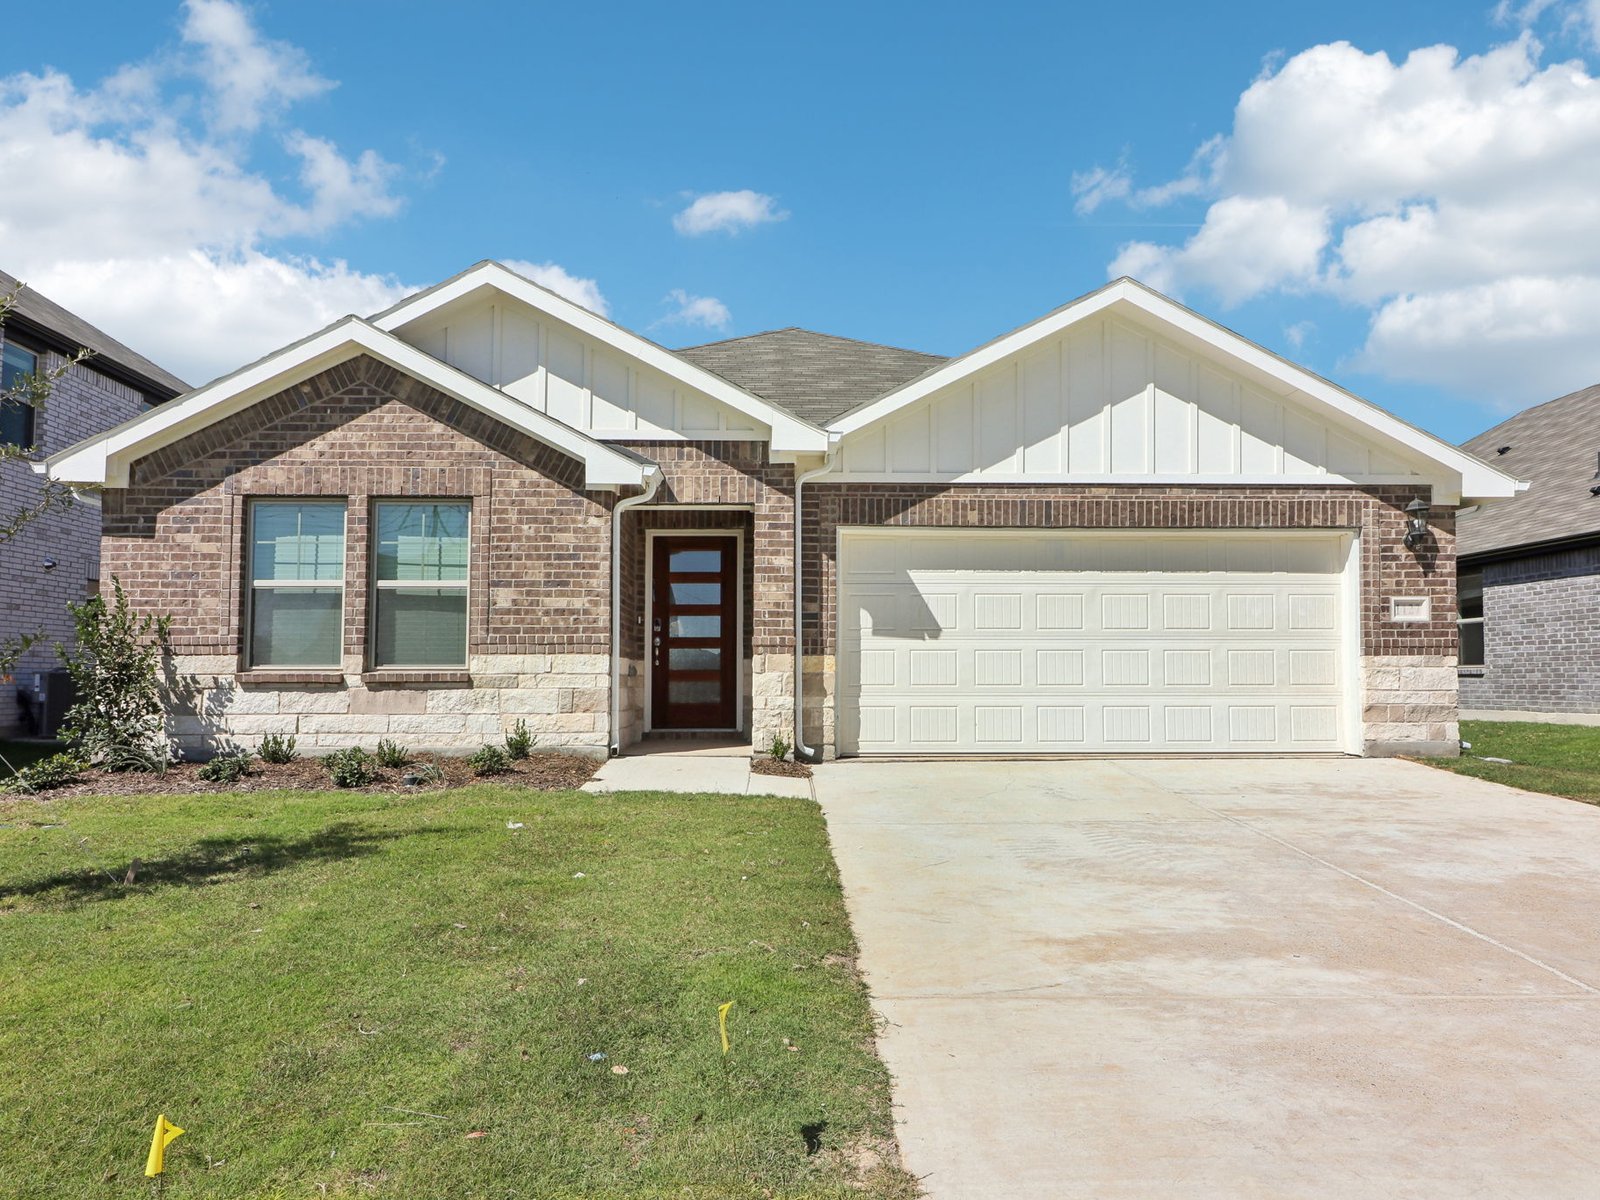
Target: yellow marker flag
{"points": [[722, 1023], [165, 1132]]}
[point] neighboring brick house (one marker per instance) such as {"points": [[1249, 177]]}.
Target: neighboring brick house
{"points": [[1530, 568], [1118, 529], [55, 558]]}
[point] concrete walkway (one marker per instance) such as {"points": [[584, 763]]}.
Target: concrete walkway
{"points": [[1319, 978], [685, 767]]}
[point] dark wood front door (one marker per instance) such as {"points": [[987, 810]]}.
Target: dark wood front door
{"points": [[694, 648]]}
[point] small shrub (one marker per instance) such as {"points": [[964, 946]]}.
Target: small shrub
{"points": [[780, 747], [519, 742], [350, 768], [423, 774], [150, 758], [277, 748], [115, 668], [391, 753], [226, 768], [56, 771], [491, 760]]}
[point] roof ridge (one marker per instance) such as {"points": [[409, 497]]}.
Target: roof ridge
{"points": [[836, 337], [1585, 392]]}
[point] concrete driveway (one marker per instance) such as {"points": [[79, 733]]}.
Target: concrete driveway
{"points": [[1329, 978]]}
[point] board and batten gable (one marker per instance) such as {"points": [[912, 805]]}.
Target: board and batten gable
{"points": [[1108, 399], [573, 377]]}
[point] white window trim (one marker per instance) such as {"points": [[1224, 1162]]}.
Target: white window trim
{"points": [[254, 504], [377, 585]]}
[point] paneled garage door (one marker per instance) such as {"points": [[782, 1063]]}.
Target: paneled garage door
{"points": [[1029, 642]]}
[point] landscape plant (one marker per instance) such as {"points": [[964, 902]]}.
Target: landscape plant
{"points": [[57, 770], [390, 753], [117, 718], [350, 768], [226, 768], [519, 742], [277, 748], [491, 760]]}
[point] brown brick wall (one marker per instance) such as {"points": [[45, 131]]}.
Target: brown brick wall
{"points": [[1387, 567], [363, 431]]}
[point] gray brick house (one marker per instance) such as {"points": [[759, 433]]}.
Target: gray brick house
{"points": [[1530, 568], [56, 558], [1120, 528]]}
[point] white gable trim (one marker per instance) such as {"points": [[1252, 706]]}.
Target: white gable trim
{"points": [[1290, 383], [106, 459], [790, 434]]}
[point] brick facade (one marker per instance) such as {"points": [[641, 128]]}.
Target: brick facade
{"points": [[34, 600], [538, 624], [539, 610], [1541, 622]]}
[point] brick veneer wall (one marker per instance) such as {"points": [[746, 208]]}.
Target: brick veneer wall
{"points": [[539, 606], [32, 600], [1408, 669], [1541, 621]]}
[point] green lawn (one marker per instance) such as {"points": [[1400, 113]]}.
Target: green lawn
{"points": [[1563, 760], [331, 991]]}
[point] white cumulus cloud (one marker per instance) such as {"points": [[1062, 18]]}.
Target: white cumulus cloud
{"points": [[707, 312], [584, 292], [727, 212], [1456, 198]]}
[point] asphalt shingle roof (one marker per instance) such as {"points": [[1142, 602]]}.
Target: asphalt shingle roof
{"points": [[50, 318], [816, 376], [1554, 447]]}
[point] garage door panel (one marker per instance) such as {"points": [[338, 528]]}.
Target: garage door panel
{"points": [[1021, 655]]}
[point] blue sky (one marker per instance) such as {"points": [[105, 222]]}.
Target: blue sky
{"points": [[209, 179]]}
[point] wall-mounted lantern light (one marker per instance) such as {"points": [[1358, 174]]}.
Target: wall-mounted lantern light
{"points": [[1416, 523]]}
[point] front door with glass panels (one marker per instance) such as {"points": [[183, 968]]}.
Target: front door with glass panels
{"points": [[693, 634]]}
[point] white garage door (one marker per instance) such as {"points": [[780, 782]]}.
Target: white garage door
{"points": [[1027, 642]]}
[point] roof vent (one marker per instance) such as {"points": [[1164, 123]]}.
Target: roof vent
{"points": [[1596, 474], [1503, 450]]}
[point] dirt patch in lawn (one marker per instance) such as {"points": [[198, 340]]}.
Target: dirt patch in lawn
{"points": [[779, 766], [544, 772]]}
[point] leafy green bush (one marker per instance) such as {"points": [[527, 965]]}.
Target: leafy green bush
{"points": [[391, 753], [226, 768], [115, 669], [276, 748], [780, 747], [491, 760], [56, 771], [350, 768], [150, 758], [519, 742]]}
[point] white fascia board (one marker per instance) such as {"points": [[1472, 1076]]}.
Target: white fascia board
{"points": [[789, 433], [106, 459], [1478, 479]]}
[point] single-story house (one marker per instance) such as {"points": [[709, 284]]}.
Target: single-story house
{"points": [[55, 557], [1120, 528], [1530, 568]]}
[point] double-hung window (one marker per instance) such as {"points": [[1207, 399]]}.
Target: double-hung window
{"points": [[16, 414], [419, 583], [296, 583], [1469, 602]]}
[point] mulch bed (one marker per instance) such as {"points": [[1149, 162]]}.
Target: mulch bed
{"points": [[544, 772], [780, 766]]}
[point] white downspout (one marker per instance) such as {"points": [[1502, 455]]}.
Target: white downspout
{"points": [[801, 750], [652, 482]]}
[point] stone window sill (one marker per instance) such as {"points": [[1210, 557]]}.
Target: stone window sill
{"points": [[416, 678], [1471, 672], [259, 678]]}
